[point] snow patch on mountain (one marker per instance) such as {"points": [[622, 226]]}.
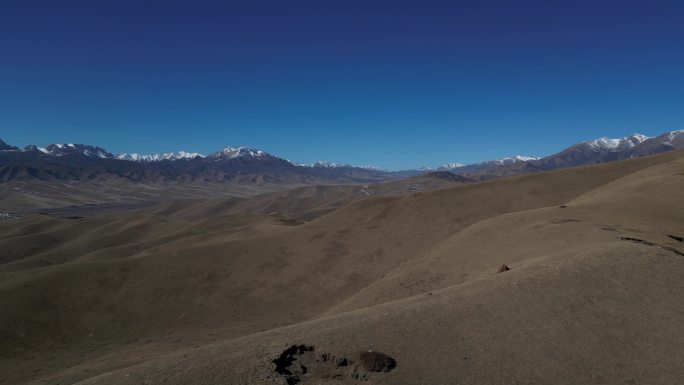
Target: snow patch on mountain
{"points": [[672, 135]]}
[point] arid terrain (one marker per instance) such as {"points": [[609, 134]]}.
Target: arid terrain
{"points": [[570, 276]]}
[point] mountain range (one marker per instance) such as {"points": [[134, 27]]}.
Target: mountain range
{"points": [[246, 164], [584, 153]]}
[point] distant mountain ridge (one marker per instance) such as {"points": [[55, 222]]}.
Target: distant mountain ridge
{"points": [[242, 163], [135, 157], [607, 150], [84, 149], [238, 165], [583, 153]]}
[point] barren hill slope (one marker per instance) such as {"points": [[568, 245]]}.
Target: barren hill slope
{"points": [[581, 303]]}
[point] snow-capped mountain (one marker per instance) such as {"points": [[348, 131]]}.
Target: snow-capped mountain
{"points": [[239, 152], [588, 152], [60, 149], [595, 151], [248, 159], [326, 164], [673, 138], [488, 166], [135, 157], [665, 142], [613, 145], [515, 159], [331, 165], [450, 166]]}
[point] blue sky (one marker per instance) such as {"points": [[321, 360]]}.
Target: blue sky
{"points": [[395, 84]]}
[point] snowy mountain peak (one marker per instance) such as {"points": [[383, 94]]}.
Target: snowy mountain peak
{"points": [[641, 137], [516, 159], [608, 144], [510, 160], [450, 166], [239, 152], [60, 149], [674, 134], [326, 164], [135, 157]]}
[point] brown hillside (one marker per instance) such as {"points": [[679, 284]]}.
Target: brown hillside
{"points": [[213, 291]]}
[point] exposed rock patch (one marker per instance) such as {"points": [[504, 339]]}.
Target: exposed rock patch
{"points": [[285, 363], [304, 364]]}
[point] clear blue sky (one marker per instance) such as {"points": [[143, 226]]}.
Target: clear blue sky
{"points": [[396, 84]]}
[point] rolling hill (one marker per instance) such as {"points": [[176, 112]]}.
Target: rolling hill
{"points": [[329, 285]]}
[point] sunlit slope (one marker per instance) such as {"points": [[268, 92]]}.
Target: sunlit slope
{"points": [[594, 296], [646, 205]]}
